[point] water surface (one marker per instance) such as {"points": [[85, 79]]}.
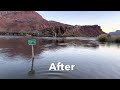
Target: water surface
{"points": [[101, 61]]}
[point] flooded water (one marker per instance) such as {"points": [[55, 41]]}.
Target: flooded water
{"points": [[92, 60]]}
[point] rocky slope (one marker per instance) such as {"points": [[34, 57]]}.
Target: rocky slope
{"points": [[31, 21], [23, 21]]}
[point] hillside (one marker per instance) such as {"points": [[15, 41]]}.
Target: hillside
{"points": [[32, 22], [117, 32]]}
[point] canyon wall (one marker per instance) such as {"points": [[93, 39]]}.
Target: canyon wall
{"points": [[32, 22]]}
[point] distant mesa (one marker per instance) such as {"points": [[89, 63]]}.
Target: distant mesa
{"points": [[117, 32], [30, 22]]}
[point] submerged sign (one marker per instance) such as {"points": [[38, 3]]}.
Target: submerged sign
{"points": [[32, 42]]}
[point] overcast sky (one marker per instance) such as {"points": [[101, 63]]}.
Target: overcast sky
{"points": [[108, 20]]}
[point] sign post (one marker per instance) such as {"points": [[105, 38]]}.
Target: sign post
{"points": [[32, 52], [32, 42]]}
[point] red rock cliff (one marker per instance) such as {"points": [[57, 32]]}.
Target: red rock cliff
{"points": [[31, 21]]}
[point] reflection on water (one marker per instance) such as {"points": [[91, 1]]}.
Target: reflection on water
{"points": [[32, 71], [92, 59], [19, 46]]}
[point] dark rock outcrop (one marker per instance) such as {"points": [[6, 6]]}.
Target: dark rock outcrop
{"points": [[32, 22], [74, 31]]}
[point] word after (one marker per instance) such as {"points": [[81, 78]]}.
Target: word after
{"points": [[61, 67]]}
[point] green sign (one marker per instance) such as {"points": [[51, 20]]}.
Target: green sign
{"points": [[32, 42]]}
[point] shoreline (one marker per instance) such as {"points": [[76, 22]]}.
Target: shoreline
{"points": [[46, 36], [83, 38]]}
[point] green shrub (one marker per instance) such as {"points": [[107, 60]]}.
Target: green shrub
{"points": [[103, 38], [117, 40], [109, 38]]}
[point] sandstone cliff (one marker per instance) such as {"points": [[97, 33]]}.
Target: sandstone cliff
{"points": [[31, 21]]}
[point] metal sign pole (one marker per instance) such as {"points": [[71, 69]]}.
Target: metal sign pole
{"points": [[32, 52], [32, 42]]}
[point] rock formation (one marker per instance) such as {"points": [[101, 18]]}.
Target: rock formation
{"points": [[117, 32], [32, 22]]}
